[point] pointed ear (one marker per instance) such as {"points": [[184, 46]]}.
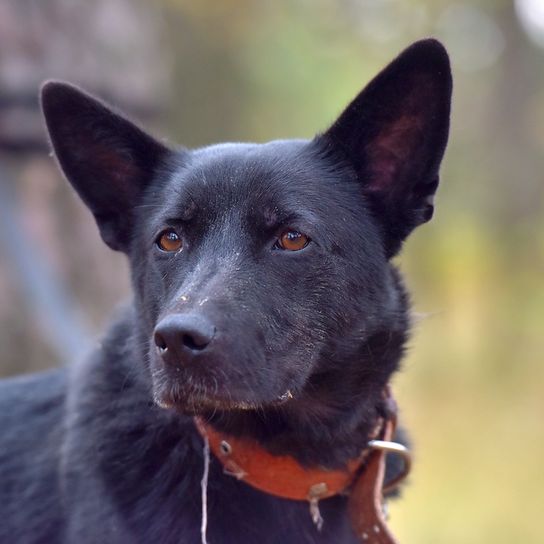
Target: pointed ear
{"points": [[108, 160], [394, 135]]}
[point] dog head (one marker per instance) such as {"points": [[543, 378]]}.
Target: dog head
{"points": [[261, 271]]}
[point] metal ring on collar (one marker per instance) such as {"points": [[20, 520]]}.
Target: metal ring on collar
{"points": [[396, 449]]}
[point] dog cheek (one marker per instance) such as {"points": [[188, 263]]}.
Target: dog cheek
{"points": [[293, 339]]}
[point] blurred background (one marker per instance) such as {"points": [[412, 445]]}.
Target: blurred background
{"points": [[472, 389]]}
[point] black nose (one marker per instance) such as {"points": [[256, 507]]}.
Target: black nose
{"points": [[179, 337]]}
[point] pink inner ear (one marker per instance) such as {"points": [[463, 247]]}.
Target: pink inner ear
{"points": [[390, 151], [395, 148], [117, 166], [109, 162], [113, 166]]}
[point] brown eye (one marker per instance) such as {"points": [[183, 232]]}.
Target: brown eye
{"points": [[169, 241], [292, 240]]}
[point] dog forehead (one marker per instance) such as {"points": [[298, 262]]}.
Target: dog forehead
{"points": [[261, 177]]}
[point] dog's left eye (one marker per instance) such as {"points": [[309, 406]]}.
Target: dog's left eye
{"points": [[169, 240], [292, 240]]}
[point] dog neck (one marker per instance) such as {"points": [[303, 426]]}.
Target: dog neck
{"points": [[361, 478]]}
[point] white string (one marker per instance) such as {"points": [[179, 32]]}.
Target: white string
{"points": [[204, 486], [316, 514]]}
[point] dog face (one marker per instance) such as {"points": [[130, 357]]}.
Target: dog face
{"points": [[261, 271], [263, 238]]}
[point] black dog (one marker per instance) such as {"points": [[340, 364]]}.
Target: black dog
{"points": [[264, 302]]}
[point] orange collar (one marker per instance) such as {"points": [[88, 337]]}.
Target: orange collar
{"points": [[283, 476], [279, 475]]}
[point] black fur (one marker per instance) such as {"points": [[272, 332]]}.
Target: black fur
{"points": [[87, 454]]}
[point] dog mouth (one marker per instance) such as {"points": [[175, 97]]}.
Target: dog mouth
{"points": [[198, 405], [196, 398]]}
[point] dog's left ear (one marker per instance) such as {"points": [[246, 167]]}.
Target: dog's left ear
{"points": [[108, 159], [394, 135]]}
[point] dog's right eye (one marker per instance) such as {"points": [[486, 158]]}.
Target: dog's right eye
{"points": [[169, 241]]}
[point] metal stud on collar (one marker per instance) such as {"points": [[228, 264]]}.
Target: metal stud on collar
{"points": [[397, 449], [226, 448]]}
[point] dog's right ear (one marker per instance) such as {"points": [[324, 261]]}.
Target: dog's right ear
{"points": [[107, 159]]}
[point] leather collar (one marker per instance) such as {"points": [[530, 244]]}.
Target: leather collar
{"points": [[283, 476]]}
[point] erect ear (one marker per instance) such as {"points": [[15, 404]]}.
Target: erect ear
{"points": [[108, 160], [394, 135]]}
